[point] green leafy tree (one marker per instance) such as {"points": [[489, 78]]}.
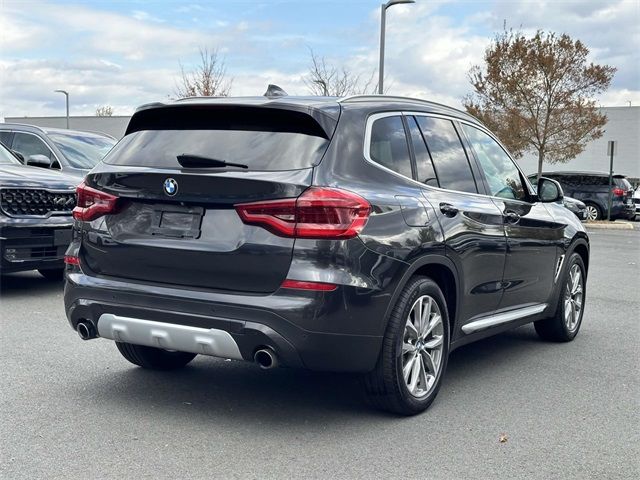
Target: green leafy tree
{"points": [[538, 94]]}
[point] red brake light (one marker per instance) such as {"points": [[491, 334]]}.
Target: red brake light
{"points": [[93, 203], [618, 192], [320, 212], [317, 286], [71, 260]]}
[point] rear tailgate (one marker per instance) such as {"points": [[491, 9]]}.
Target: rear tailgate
{"points": [[178, 225]]}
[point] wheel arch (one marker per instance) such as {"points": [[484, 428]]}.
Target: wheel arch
{"points": [[442, 271]]}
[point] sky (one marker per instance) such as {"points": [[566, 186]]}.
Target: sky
{"points": [[127, 53]]}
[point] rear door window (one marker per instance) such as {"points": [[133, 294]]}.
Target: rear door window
{"points": [[261, 139], [426, 172], [388, 146], [502, 175], [449, 158]]}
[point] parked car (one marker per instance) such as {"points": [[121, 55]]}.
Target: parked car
{"points": [[636, 201], [35, 217], [593, 189], [365, 234], [573, 204], [74, 152]]}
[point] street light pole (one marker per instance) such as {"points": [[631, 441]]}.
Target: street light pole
{"points": [[66, 94], [383, 19]]}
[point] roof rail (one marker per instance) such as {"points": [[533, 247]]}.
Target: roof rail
{"points": [[355, 98], [37, 127]]}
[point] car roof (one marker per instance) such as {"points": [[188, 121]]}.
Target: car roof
{"points": [[328, 105], [25, 127]]}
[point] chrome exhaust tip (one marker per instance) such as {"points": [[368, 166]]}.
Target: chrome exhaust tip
{"points": [[266, 358], [86, 330]]}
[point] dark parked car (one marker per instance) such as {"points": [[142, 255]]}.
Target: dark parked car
{"points": [[73, 152], [576, 206], [368, 234], [593, 189], [35, 217]]}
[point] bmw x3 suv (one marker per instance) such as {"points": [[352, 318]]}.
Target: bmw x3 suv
{"points": [[370, 234]]}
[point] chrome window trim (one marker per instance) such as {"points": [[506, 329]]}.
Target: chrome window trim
{"points": [[43, 141], [367, 143]]}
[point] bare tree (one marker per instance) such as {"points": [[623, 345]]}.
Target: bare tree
{"points": [[207, 79], [328, 80], [104, 111], [537, 94]]}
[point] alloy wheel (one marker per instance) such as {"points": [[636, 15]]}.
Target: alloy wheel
{"points": [[422, 346], [592, 213], [573, 298]]}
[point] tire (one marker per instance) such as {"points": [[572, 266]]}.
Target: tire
{"points": [[54, 274], [594, 212], [386, 386], [154, 358], [561, 327]]}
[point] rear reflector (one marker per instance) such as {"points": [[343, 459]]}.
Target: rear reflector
{"points": [[318, 286], [71, 260], [320, 212], [93, 203]]}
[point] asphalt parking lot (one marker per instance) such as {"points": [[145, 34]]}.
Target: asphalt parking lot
{"points": [[73, 409]]}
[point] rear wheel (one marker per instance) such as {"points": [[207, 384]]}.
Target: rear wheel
{"points": [[52, 274], [414, 353], [593, 212], [154, 358], [565, 324]]}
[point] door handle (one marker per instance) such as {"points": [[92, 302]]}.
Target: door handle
{"points": [[448, 210], [511, 217]]}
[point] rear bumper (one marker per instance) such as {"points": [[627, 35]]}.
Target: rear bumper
{"points": [[311, 330], [29, 246]]}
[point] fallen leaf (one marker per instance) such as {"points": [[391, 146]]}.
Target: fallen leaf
{"points": [[503, 438]]}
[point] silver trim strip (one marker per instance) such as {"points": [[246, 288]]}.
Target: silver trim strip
{"points": [[170, 336], [501, 318]]}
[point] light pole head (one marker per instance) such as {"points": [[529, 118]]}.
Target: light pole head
{"points": [[62, 91], [391, 3]]}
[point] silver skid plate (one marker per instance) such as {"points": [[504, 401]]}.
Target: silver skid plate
{"points": [[170, 336]]}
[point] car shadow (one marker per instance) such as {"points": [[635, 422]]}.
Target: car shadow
{"points": [[242, 392], [31, 283]]}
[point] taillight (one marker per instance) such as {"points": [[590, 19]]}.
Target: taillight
{"points": [[93, 203], [320, 212], [71, 260], [618, 192], [316, 286]]}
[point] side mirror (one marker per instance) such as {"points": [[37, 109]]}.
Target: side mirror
{"points": [[549, 190], [39, 161]]}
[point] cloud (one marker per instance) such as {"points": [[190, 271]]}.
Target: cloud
{"points": [[126, 58]]}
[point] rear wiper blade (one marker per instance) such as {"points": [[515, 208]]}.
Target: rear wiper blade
{"points": [[188, 160]]}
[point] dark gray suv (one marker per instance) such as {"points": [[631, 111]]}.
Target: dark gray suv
{"points": [[367, 234]]}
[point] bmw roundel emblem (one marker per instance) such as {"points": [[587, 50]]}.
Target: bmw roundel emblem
{"points": [[170, 187]]}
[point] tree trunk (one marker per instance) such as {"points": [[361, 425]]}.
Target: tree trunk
{"points": [[540, 162]]}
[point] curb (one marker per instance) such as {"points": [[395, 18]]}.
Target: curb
{"points": [[609, 226]]}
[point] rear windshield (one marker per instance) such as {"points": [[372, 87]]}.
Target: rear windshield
{"points": [[263, 140], [622, 183]]}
